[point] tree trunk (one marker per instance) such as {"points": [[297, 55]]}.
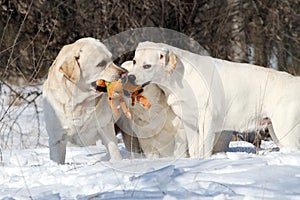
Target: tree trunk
{"points": [[238, 40]]}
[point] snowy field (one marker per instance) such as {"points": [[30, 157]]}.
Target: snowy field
{"points": [[29, 174], [242, 173]]}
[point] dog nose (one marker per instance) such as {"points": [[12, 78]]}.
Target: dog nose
{"points": [[131, 78], [94, 84]]}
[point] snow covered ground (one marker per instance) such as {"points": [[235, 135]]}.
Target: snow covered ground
{"points": [[27, 173]]}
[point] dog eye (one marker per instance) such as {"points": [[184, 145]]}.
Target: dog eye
{"points": [[102, 64], [134, 62], [146, 66]]}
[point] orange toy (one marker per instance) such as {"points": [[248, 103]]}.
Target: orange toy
{"points": [[115, 91], [136, 95]]}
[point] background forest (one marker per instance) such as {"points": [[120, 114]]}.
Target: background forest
{"points": [[262, 32]]}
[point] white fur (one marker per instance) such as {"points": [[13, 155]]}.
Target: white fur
{"points": [[211, 95], [156, 127], [74, 111]]}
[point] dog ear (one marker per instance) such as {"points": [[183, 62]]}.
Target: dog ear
{"points": [[163, 57], [172, 62], [168, 59], [70, 67]]}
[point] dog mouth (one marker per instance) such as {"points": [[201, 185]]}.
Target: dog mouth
{"points": [[99, 85], [129, 78], [110, 75], [145, 84], [130, 87]]}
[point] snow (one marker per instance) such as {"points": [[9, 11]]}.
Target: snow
{"points": [[29, 173], [26, 172]]}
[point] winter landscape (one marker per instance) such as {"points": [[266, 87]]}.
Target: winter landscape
{"points": [[259, 32], [26, 172]]}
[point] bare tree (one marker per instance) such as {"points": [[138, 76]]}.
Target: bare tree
{"points": [[237, 39]]}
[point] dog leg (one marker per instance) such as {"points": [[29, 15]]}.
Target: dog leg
{"points": [[58, 151], [193, 140], [109, 140], [285, 132], [149, 148], [181, 144], [200, 143], [221, 141]]}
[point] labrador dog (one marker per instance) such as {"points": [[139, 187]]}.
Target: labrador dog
{"points": [[159, 131], [74, 111], [156, 127], [211, 95]]}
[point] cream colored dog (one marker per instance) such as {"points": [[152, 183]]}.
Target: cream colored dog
{"points": [[159, 130], [212, 95], [73, 110]]}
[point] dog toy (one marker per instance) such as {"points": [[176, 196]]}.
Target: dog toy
{"points": [[115, 92], [137, 95]]}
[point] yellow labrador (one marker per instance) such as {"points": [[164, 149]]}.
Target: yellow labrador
{"points": [[211, 95], [73, 110], [158, 129]]}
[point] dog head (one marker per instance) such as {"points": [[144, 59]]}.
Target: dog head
{"points": [[111, 73], [151, 63], [84, 61]]}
